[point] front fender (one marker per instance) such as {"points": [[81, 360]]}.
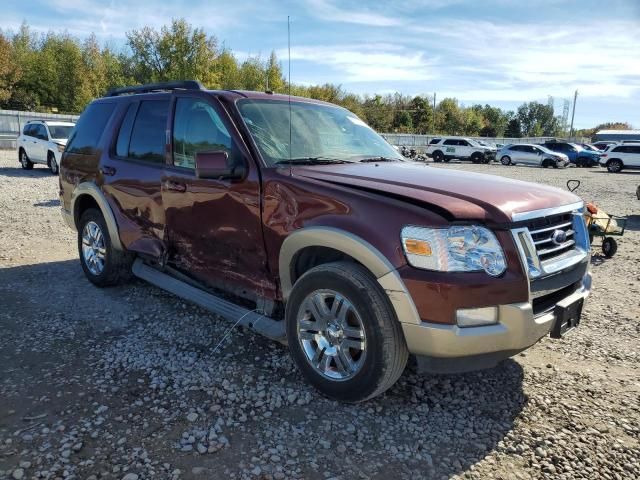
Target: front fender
{"points": [[357, 248]]}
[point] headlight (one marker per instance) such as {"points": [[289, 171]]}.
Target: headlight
{"points": [[454, 249]]}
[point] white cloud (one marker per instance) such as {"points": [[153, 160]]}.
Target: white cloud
{"points": [[327, 10], [366, 63]]}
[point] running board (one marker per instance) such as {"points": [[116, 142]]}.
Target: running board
{"points": [[229, 311]]}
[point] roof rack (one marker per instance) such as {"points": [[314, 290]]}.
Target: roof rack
{"points": [[156, 87]]}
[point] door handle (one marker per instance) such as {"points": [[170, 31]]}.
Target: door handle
{"points": [[175, 186], [107, 170]]}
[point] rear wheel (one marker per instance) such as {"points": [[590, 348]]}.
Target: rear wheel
{"points": [[52, 163], [102, 264], [438, 157], [24, 161], [343, 333], [476, 157], [505, 160], [614, 166]]}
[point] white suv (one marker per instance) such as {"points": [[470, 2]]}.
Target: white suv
{"points": [[619, 156], [43, 141], [446, 148]]}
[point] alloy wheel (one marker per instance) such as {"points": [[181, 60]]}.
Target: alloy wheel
{"points": [[331, 334], [93, 248]]}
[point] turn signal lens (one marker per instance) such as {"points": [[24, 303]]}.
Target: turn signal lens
{"points": [[417, 247]]}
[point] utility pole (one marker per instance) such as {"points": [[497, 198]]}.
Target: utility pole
{"points": [[434, 113], [573, 113]]}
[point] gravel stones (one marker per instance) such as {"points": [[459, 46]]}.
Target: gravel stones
{"points": [[129, 382]]}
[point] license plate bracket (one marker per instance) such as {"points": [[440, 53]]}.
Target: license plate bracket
{"points": [[567, 317]]}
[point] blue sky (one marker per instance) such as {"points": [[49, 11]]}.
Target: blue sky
{"points": [[490, 51]]}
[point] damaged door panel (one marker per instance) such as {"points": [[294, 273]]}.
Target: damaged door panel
{"points": [[214, 225]]}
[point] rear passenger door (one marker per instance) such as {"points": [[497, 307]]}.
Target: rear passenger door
{"points": [[632, 156], [41, 140], [214, 225], [132, 174]]}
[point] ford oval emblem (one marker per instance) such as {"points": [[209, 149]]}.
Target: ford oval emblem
{"points": [[559, 237]]}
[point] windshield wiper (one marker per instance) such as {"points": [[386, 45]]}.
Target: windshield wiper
{"points": [[310, 161], [378, 159]]}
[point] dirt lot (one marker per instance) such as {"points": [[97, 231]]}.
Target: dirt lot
{"points": [[124, 383]]}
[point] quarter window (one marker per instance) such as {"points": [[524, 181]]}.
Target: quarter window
{"points": [[434, 141], [124, 136], [148, 133], [85, 137], [199, 128]]}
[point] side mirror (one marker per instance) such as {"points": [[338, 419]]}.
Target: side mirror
{"points": [[213, 165]]}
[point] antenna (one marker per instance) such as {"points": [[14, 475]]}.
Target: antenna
{"points": [[289, 48]]}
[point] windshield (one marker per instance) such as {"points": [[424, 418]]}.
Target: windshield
{"points": [[317, 132], [577, 147], [60, 132]]}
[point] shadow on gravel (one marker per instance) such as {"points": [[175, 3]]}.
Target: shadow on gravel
{"points": [[458, 419], [18, 172], [623, 172], [48, 203], [633, 222]]}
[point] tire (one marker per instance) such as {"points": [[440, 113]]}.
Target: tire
{"points": [[52, 163], [111, 266], [545, 163], [506, 160], [614, 166], [476, 158], [609, 247], [380, 354], [24, 160], [438, 157]]}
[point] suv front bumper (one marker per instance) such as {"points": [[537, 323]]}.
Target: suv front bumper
{"points": [[517, 329]]}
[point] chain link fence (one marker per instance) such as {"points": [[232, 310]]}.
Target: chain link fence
{"points": [[12, 121]]}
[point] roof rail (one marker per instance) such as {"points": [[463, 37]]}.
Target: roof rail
{"points": [[156, 87]]}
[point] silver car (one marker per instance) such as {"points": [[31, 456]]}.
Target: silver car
{"points": [[531, 154]]}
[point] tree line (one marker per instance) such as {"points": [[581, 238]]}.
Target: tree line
{"points": [[57, 72]]}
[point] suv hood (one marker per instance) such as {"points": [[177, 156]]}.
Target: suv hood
{"points": [[463, 195]]}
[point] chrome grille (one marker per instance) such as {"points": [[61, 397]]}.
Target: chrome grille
{"points": [[552, 235]]}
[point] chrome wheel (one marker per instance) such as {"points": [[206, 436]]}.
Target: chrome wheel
{"points": [[53, 165], [24, 161], [331, 334], [93, 248]]}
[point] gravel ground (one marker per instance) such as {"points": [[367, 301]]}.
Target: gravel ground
{"points": [[124, 383]]}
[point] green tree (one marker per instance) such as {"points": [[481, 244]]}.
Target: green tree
{"points": [[537, 119], [513, 130], [176, 52], [252, 74], [422, 115], [449, 117], [9, 70]]}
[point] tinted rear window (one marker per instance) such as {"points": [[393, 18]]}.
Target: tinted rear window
{"points": [[122, 145], [148, 134], [434, 141], [86, 135]]}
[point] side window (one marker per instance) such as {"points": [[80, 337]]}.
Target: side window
{"points": [[87, 132], [450, 141], [634, 149], [463, 143], [197, 127], [516, 148], [41, 132], [124, 135], [27, 130], [434, 141], [618, 149], [148, 133]]}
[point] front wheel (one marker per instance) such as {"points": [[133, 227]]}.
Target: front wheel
{"points": [[102, 264], [53, 164], [506, 160], [343, 333]]}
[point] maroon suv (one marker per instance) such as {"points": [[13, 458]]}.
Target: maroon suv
{"points": [[294, 218]]}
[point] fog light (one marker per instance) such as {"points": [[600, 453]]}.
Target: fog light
{"points": [[475, 317]]}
